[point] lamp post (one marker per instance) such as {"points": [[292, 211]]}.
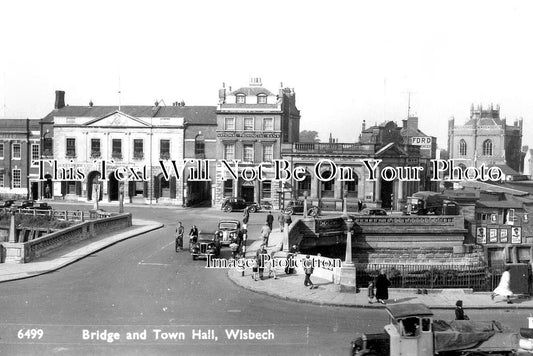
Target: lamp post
{"points": [[347, 278], [121, 198], [305, 203], [344, 204]]}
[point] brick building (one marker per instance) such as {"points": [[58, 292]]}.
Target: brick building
{"points": [[252, 123], [19, 144]]}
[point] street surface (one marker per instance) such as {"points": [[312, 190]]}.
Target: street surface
{"points": [[143, 284]]}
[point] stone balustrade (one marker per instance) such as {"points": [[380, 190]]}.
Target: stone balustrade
{"points": [[28, 251]]}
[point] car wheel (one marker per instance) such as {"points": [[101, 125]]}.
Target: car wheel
{"points": [[313, 212], [252, 209], [228, 208]]}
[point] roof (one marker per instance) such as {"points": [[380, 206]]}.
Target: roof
{"points": [[502, 204], [251, 91], [18, 124], [191, 114], [484, 121], [408, 309], [508, 171]]}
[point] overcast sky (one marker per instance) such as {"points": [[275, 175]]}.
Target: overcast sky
{"points": [[348, 61]]}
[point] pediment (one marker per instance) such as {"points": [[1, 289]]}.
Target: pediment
{"points": [[391, 150], [117, 119]]}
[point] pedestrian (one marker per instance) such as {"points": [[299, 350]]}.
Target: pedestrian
{"points": [[255, 267], [308, 269], [290, 258], [281, 221], [193, 235], [245, 217], [382, 287], [359, 205], [370, 292], [459, 312], [179, 237], [270, 220], [265, 233], [47, 191], [288, 220], [261, 255], [504, 288], [271, 269]]}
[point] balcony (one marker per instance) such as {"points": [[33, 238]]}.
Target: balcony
{"points": [[324, 148]]}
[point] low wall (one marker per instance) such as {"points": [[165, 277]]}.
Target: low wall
{"points": [[28, 251]]}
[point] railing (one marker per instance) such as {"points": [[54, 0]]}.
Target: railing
{"points": [[67, 215], [479, 278], [305, 147]]}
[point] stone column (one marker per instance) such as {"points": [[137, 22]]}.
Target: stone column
{"points": [[346, 280], [12, 231], [285, 233], [377, 185], [314, 187]]}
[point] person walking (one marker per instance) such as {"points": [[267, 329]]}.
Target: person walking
{"points": [[265, 233], [504, 288], [270, 220], [308, 269], [382, 284], [459, 312], [180, 230], [193, 236], [359, 205], [281, 221]]}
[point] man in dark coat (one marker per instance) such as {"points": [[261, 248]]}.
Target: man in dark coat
{"points": [[459, 311], [270, 220], [382, 287]]}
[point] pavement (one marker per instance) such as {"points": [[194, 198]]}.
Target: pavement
{"points": [[287, 287], [73, 253]]}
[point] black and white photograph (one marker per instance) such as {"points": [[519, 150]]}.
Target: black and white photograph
{"points": [[266, 178]]}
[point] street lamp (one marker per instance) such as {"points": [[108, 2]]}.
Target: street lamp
{"points": [[345, 205], [121, 198], [305, 203], [347, 277]]}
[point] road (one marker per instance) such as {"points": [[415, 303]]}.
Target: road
{"points": [[142, 284]]}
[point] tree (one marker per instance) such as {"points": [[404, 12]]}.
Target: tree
{"points": [[309, 136]]}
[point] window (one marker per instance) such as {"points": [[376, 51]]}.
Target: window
{"points": [[95, 148], [241, 99], [164, 149], [229, 151], [16, 178], [35, 153], [268, 153], [351, 186], [228, 188], [229, 123], [138, 150], [116, 145], [487, 148], [249, 123], [268, 124], [248, 153], [16, 151], [462, 147], [1, 180], [199, 147], [71, 147], [305, 185], [1, 151], [261, 99], [267, 190]]}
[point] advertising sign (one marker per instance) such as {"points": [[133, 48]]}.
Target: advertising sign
{"points": [[481, 235]]}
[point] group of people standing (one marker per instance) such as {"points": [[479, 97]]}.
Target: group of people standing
{"points": [[180, 230]]}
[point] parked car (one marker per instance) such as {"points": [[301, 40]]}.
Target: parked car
{"points": [[22, 204], [208, 243], [230, 204], [297, 207], [373, 211], [228, 230], [40, 206], [6, 203]]}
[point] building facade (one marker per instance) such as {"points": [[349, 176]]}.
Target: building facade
{"points": [[19, 145], [485, 139], [135, 150], [252, 123]]}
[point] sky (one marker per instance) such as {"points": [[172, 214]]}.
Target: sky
{"points": [[348, 61]]}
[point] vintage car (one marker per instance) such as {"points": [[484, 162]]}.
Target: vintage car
{"points": [[228, 230], [208, 243], [373, 211], [6, 203], [413, 331], [40, 206], [297, 207], [230, 204], [22, 204]]}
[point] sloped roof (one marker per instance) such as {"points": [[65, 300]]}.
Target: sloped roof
{"points": [[391, 147], [191, 114], [18, 124], [484, 121], [251, 91], [502, 204], [508, 171]]}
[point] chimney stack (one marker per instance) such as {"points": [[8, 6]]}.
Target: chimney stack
{"points": [[60, 99]]}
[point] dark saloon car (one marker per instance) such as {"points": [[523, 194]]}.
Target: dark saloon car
{"points": [[40, 206], [230, 204], [297, 207], [208, 243], [228, 231], [6, 203], [373, 211], [22, 204]]}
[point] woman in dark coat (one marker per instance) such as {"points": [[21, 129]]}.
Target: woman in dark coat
{"points": [[382, 287]]}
